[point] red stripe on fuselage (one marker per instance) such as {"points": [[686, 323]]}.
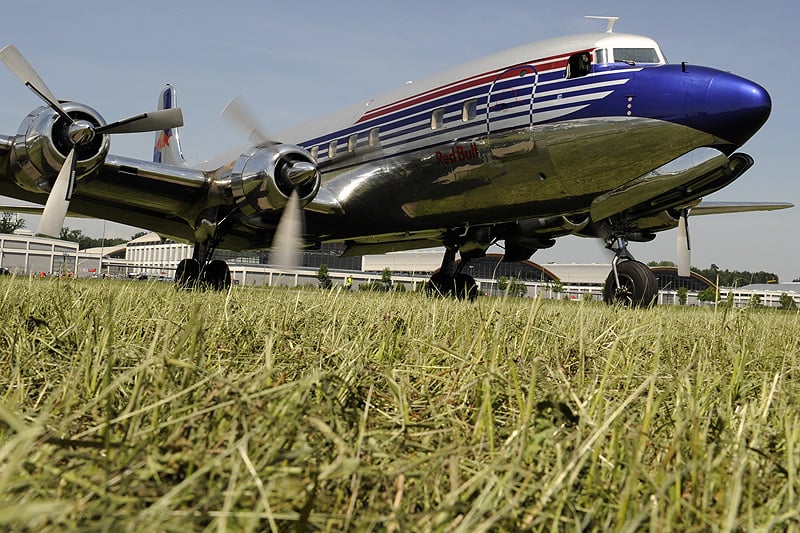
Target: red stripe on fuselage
{"points": [[542, 65]]}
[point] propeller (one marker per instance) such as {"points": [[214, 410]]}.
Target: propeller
{"points": [[79, 132], [55, 210], [684, 248], [288, 240], [240, 115], [288, 236]]}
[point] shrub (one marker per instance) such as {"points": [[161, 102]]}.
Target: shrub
{"points": [[323, 277], [374, 286], [683, 295], [787, 302], [517, 288]]}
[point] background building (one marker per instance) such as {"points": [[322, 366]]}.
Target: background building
{"points": [[25, 254], [150, 257]]}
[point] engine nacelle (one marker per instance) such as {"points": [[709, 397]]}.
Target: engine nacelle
{"points": [[42, 144], [263, 178], [553, 226], [661, 221]]}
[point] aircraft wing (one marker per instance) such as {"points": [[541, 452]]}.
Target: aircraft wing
{"points": [[142, 194], [718, 208], [35, 210]]}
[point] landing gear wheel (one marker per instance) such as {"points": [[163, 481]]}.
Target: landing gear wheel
{"points": [[462, 286], [187, 274], [638, 286], [216, 275], [465, 287], [439, 285]]}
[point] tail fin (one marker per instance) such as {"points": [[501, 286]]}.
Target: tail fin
{"points": [[168, 145]]}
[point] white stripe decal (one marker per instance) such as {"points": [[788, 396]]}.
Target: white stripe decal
{"points": [[538, 104], [586, 87]]}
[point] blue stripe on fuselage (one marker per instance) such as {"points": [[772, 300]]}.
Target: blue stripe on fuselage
{"points": [[416, 118]]}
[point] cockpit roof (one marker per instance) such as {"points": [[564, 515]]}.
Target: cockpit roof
{"points": [[634, 45]]}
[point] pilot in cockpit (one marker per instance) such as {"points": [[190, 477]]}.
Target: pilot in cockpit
{"points": [[579, 65]]}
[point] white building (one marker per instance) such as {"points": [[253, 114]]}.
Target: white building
{"points": [[148, 256], [26, 254]]}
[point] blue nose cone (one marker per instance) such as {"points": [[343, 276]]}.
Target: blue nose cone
{"points": [[728, 106]]}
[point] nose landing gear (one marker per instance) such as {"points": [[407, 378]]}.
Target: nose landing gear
{"points": [[630, 283]]}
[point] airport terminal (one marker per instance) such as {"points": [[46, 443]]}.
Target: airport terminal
{"points": [[150, 257]]}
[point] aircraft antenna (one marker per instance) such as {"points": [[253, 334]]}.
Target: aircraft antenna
{"points": [[609, 20]]}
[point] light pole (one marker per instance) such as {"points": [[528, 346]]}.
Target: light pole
{"points": [[102, 246]]}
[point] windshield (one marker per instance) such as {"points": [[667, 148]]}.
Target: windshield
{"points": [[636, 55]]}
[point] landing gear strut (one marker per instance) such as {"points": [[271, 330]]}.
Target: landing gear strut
{"points": [[201, 272], [450, 281], [630, 282]]}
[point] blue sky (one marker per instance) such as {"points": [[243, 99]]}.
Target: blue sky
{"points": [[295, 61]]}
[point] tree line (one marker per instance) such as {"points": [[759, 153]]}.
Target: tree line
{"points": [[11, 222], [727, 278]]}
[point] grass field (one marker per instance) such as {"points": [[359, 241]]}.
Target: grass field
{"points": [[130, 406]]}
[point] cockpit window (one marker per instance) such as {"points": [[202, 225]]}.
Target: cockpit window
{"points": [[600, 56], [579, 65], [636, 55]]}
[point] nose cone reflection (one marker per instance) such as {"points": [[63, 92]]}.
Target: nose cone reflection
{"points": [[735, 108]]}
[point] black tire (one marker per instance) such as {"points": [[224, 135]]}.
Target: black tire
{"points": [[439, 285], [462, 286], [638, 286], [465, 287], [187, 274], [216, 275]]}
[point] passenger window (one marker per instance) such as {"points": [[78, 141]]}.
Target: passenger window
{"points": [[352, 143], [469, 110], [374, 137], [437, 118], [579, 65], [315, 152], [332, 149]]}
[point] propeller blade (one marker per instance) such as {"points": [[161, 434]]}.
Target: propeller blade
{"points": [[288, 236], [684, 249], [55, 210], [23, 70], [239, 114], [151, 121]]}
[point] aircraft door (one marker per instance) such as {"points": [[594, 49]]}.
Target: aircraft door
{"points": [[510, 99]]}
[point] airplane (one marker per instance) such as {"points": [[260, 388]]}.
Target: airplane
{"points": [[594, 135]]}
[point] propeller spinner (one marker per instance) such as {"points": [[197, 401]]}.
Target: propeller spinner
{"points": [[79, 133]]}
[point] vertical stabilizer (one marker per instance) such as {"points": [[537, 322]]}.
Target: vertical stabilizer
{"points": [[168, 145]]}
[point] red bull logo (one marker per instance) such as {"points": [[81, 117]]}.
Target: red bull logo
{"points": [[458, 154]]}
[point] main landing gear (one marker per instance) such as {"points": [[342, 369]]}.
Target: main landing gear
{"points": [[630, 282], [200, 272], [450, 281]]}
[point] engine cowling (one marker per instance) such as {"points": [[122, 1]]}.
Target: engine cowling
{"points": [[661, 221], [553, 226], [263, 178], [42, 144]]}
